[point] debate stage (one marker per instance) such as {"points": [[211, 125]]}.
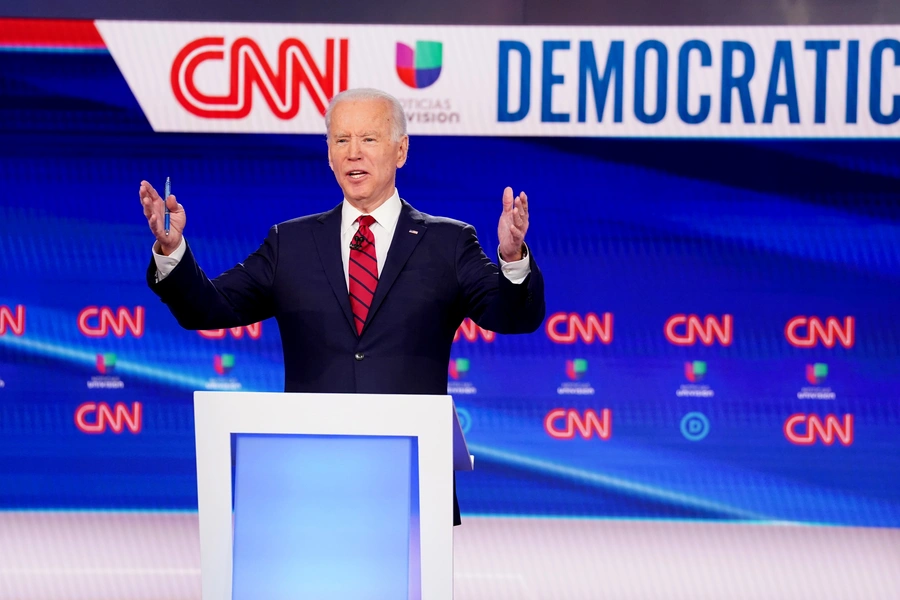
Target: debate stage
{"points": [[155, 556]]}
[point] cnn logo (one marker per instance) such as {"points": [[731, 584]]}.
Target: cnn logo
{"points": [[808, 332], [805, 430], [98, 321], [567, 328], [471, 332], [687, 330], [12, 322], [254, 332], [99, 417], [562, 424], [248, 73]]}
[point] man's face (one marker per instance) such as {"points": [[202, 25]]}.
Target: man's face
{"points": [[361, 152]]}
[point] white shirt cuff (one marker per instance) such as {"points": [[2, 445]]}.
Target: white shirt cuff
{"points": [[515, 271], [167, 264]]}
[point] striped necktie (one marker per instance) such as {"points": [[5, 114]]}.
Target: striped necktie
{"points": [[363, 271]]}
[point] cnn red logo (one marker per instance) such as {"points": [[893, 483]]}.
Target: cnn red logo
{"points": [[12, 322], [807, 332], [254, 332], [687, 330], [98, 321], [567, 328], [98, 417], [471, 332], [562, 424], [246, 69], [804, 430]]}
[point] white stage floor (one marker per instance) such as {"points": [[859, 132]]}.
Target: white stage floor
{"points": [[155, 556]]}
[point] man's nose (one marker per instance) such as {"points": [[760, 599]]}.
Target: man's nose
{"points": [[353, 151]]}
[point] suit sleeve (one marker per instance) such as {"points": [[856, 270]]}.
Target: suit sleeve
{"points": [[491, 300], [240, 296]]}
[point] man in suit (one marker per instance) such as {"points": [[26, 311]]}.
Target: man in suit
{"points": [[369, 294]]}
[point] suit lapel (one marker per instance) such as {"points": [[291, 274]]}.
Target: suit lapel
{"points": [[328, 243], [402, 246]]}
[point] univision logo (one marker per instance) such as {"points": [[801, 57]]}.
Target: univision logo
{"points": [[816, 373], [421, 67], [106, 363], [223, 363], [458, 368], [695, 371], [576, 368]]}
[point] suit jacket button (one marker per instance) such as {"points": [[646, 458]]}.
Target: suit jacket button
{"points": [[359, 356]]}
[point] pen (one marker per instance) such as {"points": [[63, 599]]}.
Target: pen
{"points": [[166, 201]]}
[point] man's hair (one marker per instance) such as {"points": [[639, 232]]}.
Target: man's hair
{"points": [[398, 117]]}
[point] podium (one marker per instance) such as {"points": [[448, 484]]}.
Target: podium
{"points": [[326, 496]]}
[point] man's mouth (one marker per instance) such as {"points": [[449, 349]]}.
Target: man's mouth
{"points": [[356, 174]]}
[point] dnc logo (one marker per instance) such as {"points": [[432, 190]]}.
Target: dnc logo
{"points": [[421, 67]]}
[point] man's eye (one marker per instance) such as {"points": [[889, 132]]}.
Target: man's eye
{"points": [[370, 139]]}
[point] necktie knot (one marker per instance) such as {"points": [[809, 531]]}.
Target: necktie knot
{"points": [[365, 221]]}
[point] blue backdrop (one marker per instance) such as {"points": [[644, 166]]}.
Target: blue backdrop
{"points": [[642, 229]]}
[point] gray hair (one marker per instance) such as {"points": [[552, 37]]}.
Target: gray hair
{"points": [[398, 116]]}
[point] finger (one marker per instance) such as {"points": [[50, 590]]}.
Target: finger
{"points": [[507, 199], [518, 219], [147, 203], [173, 205], [147, 189], [155, 226], [144, 195], [517, 234], [151, 191], [523, 202]]}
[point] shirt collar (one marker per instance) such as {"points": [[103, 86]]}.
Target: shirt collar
{"points": [[385, 215]]}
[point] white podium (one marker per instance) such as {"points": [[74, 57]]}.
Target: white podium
{"points": [[326, 496]]}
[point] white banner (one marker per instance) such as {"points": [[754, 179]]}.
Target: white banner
{"points": [[714, 82]]}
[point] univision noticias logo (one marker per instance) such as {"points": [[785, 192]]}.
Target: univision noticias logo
{"points": [[106, 363], [420, 67], [223, 363], [695, 371], [458, 367], [816, 373], [576, 368]]}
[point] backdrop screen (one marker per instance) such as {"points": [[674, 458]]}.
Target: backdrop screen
{"points": [[721, 341]]}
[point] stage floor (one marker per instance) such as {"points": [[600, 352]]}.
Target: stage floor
{"points": [[155, 556]]}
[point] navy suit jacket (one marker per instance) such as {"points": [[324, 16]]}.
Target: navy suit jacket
{"points": [[434, 276]]}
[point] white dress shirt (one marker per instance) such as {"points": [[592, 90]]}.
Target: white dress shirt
{"points": [[386, 217]]}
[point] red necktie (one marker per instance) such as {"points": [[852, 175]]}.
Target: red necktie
{"points": [[363, 271]]}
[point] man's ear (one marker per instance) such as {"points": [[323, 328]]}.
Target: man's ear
{"points": [[403, 151]]}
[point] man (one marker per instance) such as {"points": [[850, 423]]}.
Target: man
{"points": [[368, 295]]}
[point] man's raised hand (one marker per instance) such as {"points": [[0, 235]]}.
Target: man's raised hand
{"points": [[513, 225], [154, 210]]}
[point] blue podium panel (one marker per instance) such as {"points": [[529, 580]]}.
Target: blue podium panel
{"points": [[322, 517]]}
